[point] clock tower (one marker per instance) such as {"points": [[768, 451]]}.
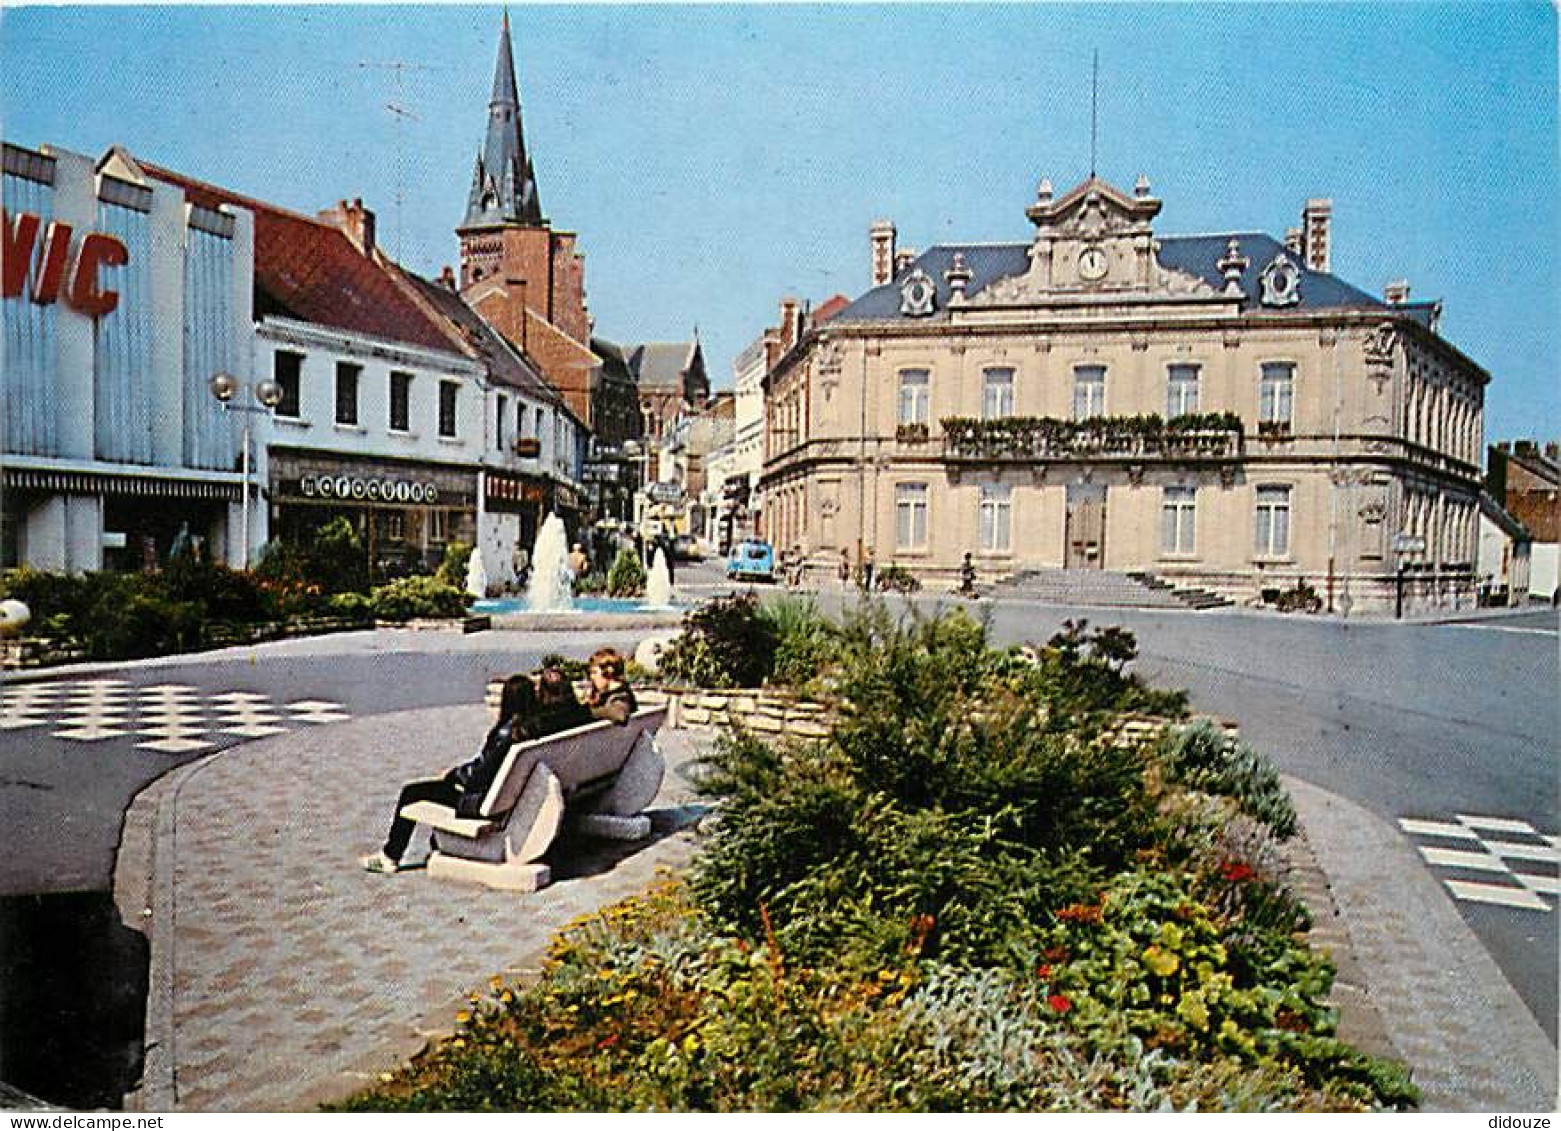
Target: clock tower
{"points": [[1093, 238]]}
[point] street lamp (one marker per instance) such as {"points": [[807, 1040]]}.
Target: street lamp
{"points": [[640, 454], [268, 393]]}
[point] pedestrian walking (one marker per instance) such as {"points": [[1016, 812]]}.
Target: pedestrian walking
{"points": [[845, 569], [867, 569]]}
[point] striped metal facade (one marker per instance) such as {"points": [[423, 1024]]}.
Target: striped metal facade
{"points": [[209, 344], [31, 349], [123, 410]]}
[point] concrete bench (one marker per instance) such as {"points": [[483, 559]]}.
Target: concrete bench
{"points": [[600, 775]]}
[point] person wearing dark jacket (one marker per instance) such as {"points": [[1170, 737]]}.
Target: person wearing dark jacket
{"points": [[525, 712]]}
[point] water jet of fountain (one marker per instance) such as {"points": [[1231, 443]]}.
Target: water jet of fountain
{"points": [[552, 581], [658, 585], [476, 575]]}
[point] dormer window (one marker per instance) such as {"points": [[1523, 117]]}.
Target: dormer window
{"points": [[918, 294]]}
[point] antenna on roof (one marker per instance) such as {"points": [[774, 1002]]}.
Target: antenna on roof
{"points": [[398, 108], [1094, 104]]}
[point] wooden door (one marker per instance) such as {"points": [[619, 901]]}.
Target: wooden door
{"points": [[1084, 539]]}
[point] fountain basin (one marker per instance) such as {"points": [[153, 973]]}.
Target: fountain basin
{"points": [[587, 613]]}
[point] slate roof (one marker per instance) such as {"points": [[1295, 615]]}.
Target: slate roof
{"points": [[1194, 255], [660, 365], [308, 270], [506, 365], [504, 184]]}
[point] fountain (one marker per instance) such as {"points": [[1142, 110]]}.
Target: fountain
{"points": [[476, 575], [552, 581], [549, 600], [658, 585]]}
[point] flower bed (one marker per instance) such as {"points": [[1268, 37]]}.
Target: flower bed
{"points": [[1002, 880]]}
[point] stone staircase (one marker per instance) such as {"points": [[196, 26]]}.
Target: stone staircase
{"points": [[1191, 596], [1100, 588]]}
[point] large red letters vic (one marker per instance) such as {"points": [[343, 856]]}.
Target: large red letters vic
{"points": [[19, 259]]}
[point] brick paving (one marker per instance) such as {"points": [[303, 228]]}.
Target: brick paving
{"points": [[282, 974]]}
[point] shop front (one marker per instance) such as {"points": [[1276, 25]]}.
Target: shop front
{"points": [[405, 513]]}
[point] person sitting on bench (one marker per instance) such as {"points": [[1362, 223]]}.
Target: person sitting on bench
{"points": [[527, 710], [610, 696]]}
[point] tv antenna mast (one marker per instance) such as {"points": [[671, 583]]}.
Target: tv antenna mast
{"points": [[398, 109]]}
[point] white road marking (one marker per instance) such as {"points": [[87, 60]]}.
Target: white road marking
{"points": [[1502, 896]]}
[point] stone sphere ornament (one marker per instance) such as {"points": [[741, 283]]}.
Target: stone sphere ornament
{"points": [[14, 616]]}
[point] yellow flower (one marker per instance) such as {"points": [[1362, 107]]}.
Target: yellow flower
{"points": [[1161, 962], [462, 1017], [1192, 1009]]}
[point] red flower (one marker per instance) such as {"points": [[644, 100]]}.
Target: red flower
{"points": [[1059, 1003], [1055, 954], [1044, 971], [1080, 913], [1236, 872], [608, 1041]]}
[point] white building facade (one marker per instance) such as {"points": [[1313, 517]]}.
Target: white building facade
{"points": [[122, 300]]}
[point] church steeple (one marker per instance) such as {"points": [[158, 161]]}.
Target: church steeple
{"points": [[504, 189]]}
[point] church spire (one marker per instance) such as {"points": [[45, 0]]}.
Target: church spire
{"points": [[504, 190]]}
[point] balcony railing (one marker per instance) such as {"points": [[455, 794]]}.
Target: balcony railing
{"points": [[1028, 438]]}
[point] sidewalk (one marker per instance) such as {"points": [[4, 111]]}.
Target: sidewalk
{"points": [[282, 976]]}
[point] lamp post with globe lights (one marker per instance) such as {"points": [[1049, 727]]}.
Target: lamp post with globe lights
{"points": [[268, 394]]}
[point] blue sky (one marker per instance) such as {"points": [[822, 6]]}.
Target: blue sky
{"points": [[714, 158]]}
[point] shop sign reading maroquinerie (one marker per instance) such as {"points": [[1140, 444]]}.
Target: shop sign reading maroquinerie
{"points": [[360, 489]]}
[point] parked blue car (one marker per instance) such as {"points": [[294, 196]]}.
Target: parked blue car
{"points": [[751, 561]]}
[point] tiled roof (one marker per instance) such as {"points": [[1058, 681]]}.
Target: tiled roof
{"points": [[1194, 255], [830, 307], [309, 270]]}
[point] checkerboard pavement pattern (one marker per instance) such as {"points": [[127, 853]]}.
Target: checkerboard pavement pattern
{"points": [[1492, 860], [172, 718]]}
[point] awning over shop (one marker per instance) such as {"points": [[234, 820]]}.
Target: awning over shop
{"points": [[92, 483]]}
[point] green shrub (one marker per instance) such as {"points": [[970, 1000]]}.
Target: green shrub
{"points": [[351, 606], [626, 578], [302, 573], [1203, 757], [452, 567], [725, 642], [591, 585], [417, 597], [574, 670], [807, 641], [897, 579]]}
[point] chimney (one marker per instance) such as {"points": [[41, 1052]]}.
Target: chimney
{"points": [[1316, 219], [1553, 452], [903, 259], [881, 237], [789, 308], [447, 278], [355, 221], [1396, 292], [1294, 242]]}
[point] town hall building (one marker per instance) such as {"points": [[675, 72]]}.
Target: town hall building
{"points": [[1219, 410]]}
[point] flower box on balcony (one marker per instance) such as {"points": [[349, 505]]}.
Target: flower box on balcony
{"points": [[1273, 429], [528, 447], [911, 433]]}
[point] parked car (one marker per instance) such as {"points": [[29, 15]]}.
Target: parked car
{"points": [[686, 548], [752, 560]]}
